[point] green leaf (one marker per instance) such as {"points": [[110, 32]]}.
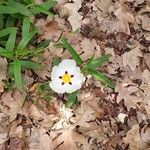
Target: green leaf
{"points": [[25, 53], [39, 9], [101, 77], [7, 31], [26, 64], [8, 10], [17, 74], [43, 44], [10, 44], [26, 39], [6, 53], [22, 9], [56, 60], [72, 97], [44, 7], [71, 50], [11, 70], [25, 26], [98, 62], [48, 5]]}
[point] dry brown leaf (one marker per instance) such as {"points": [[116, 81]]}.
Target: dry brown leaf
{"points": [[147, 60], [69, 140], [3, 72], [50, 28], [34, 113], [11, 104], [145, 22], [124, 17], [131, 58], [2, 146], [40, 140], [84, 114], [75, 18], [125, 93], [133, 138]]}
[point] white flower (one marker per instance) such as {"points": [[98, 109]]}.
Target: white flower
{"points": [[66, 77]]}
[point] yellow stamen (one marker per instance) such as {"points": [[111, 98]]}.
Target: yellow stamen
{"points": [[66, 78]]}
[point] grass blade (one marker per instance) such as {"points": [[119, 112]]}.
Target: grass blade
{"points": [[39, 9], [71, 50], [98, 62], [22, 9], [8, 10], [25, 64], [44, 7], [25, 26], [17, 74], [6, 31], [71, 99], [26, 39], [101, 77], [10, 44], [48, 5], [6, 53]]}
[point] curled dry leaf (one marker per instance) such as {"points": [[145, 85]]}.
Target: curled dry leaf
{"points": [[3, 72]]}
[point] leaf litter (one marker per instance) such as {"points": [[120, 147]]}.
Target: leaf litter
{"points": [[103, 119]]}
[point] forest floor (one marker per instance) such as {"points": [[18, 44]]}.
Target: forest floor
{"points": [[102, 119]]}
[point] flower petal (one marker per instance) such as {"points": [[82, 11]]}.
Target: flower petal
{"points": [[67, 63], [55, 86], [55, 72]]}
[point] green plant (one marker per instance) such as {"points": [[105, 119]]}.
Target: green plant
{"points": [[17, 32], [91, 67]]}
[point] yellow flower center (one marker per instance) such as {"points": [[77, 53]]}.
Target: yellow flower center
{"points": [[66, 78]]}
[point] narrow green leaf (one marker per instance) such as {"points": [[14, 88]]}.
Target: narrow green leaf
{"points": [[22, 9], [44, 7], [98, 62], [101, 77], [39, 9], [26, 64], [24, 53], [26, 39], [6, 53], [72, 97], [71, 50], [17, 74], [11, 70], [43, 44], [7, 31], [10, 44], [8, 10], [48, 5], [25, 26]]}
